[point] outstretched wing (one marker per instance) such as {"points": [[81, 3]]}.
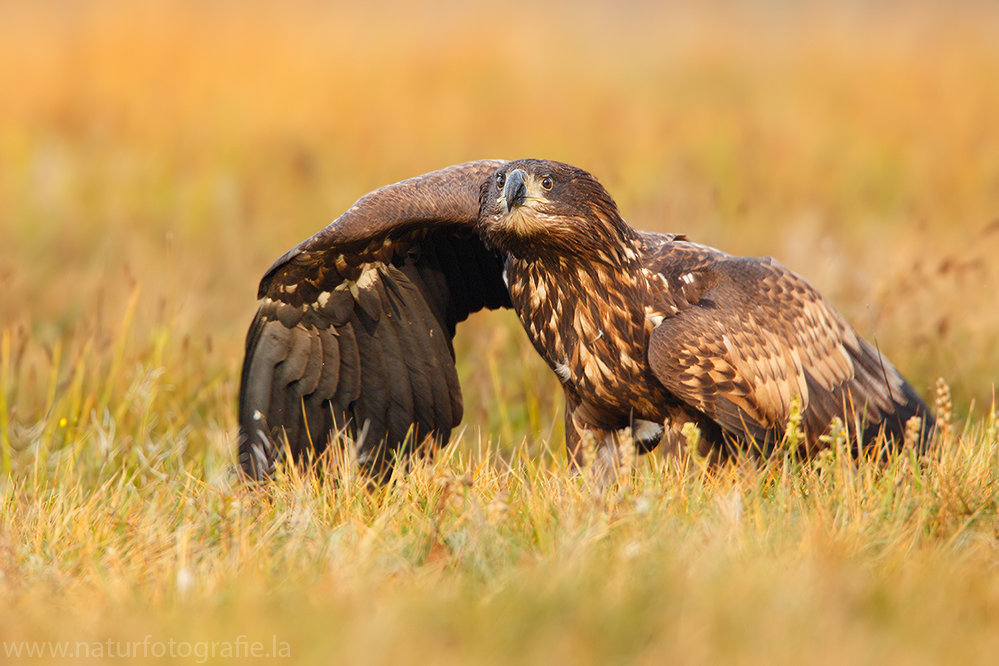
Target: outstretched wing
{"points": [[355, 326], [742, 337]]}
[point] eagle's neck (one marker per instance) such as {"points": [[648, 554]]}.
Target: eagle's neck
{"points": [[584, 312], [596, 233]]}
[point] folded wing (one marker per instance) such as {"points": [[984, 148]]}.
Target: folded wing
{"points": [[749, 336]]}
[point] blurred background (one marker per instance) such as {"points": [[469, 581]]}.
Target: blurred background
{"points": [[156, 157]]}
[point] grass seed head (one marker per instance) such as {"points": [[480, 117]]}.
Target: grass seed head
{"points": [[692, 434], [944, 410], [913, 432]]}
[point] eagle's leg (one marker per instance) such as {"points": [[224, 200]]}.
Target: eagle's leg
{"points": [[608, 460], [575, 446], [573, 437], [589, 445]]}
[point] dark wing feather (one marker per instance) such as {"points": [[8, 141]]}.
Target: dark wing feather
{"points": [[741, 337], [354, 332]]}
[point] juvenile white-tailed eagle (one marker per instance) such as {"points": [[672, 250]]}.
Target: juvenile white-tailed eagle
{"points": [[353, 337]]}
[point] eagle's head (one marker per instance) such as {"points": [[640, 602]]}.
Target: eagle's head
{"points": [[529, 206]]}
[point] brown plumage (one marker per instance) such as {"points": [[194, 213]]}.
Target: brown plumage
{"points": [[645, 331]]}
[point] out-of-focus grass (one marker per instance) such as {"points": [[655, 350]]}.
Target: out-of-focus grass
{"points": [[156, 157], [184, 146]]}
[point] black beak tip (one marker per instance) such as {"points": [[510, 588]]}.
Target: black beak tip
{"points": [[515, 189]]}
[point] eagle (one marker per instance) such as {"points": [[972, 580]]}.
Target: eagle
{"points": [[647, 332]]}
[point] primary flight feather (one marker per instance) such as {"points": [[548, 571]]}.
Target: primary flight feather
{"points": [[646, 331]]}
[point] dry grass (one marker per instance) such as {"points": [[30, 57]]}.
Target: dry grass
{"points": [[156, 157], [484, 561]]}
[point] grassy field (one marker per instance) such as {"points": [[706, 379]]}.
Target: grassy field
{"points": [[156, 157]]}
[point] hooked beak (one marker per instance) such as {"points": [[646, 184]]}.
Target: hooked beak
{"points": [[515, 190]]}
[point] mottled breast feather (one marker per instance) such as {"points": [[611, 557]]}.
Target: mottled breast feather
{"points": [[353, 333]]}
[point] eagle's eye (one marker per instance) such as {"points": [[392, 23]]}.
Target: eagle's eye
{"points": [[500, 180], [546, 182]]}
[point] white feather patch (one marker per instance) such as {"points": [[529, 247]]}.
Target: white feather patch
{"points": [[563, 371], [646, 430], [367, 279]]}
